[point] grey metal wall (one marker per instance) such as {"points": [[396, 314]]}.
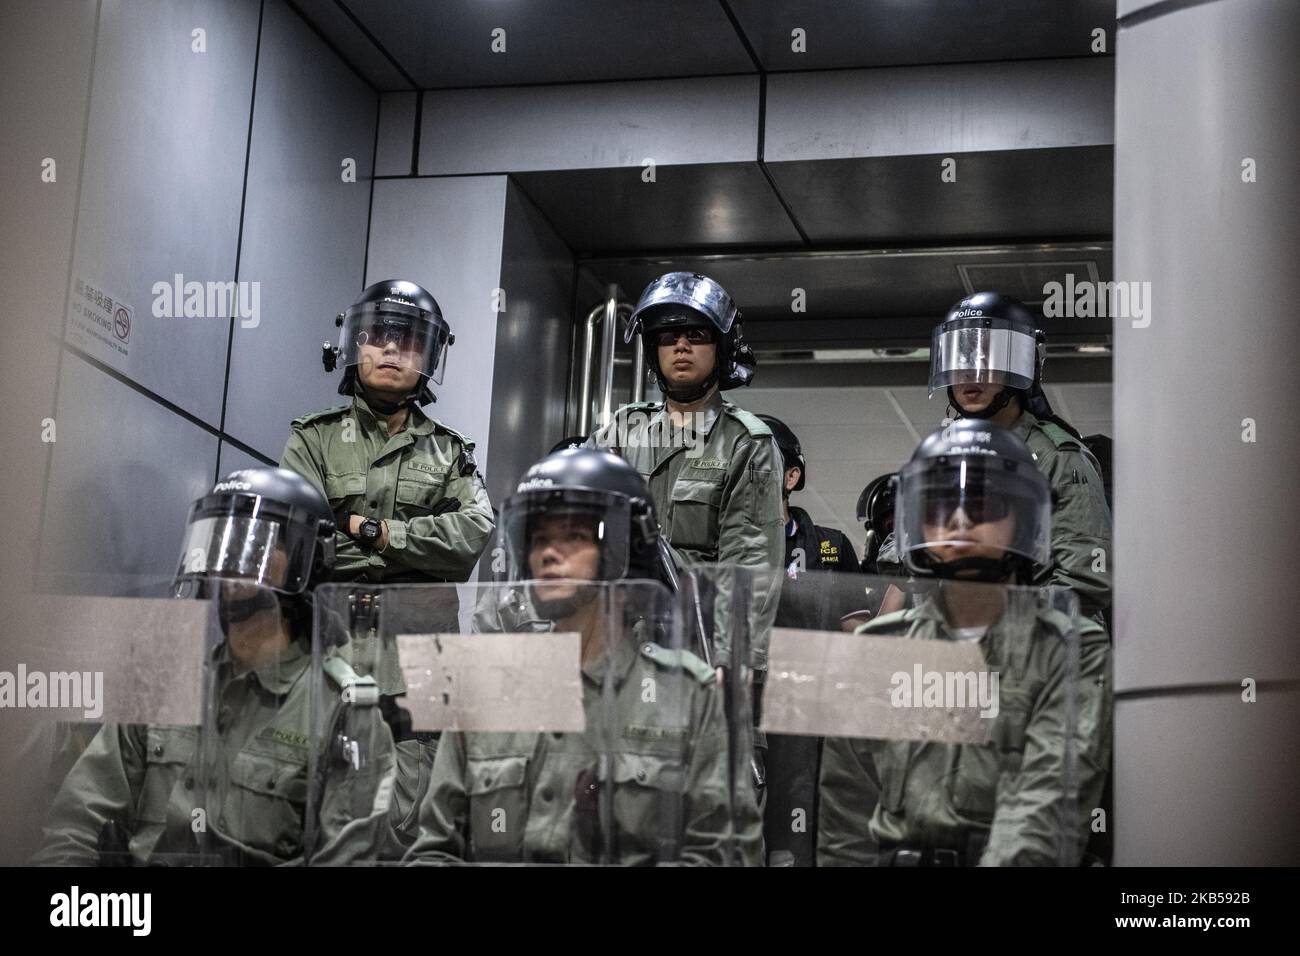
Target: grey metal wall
{"points": [[304, 237], [446, 234], [534, 332], [140, 406], [1205, 520]]}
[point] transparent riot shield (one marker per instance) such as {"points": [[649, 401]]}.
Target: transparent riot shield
{"points": [[728, 611], [572, 726], [113, 699], [969, 728]]}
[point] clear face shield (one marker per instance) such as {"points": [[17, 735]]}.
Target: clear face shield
{"points": [[565, 533], [387, 341], [970, 508], [249, 539], [982, 351]]}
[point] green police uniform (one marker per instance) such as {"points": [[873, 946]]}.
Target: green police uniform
{"points": [[1081, 551], [423, 481], [254, 800], [716, 489], [510, 797], [992, 805]]}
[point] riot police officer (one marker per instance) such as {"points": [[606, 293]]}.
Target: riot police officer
{"points": [[410, 503], [240, 790], [713, 469], [646, 782], [973, 519]]}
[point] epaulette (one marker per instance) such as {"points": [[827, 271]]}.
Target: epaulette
{"points": [[321, 415], [1059, 622], [1058, 435], [465, 463], [664, 657], [756, 427]]}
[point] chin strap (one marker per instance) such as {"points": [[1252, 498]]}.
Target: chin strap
{"points": [[1009, 567], [688, 395], [1000, 401]]}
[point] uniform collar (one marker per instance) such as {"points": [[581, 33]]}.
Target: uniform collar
{"points": [[417, 422], [712, 409], [621, 656], [278, 675], [1024, 425]]}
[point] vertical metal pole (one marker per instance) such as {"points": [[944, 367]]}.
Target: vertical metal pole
{"points": [[607, 356], [586, 370], [638, 368]]}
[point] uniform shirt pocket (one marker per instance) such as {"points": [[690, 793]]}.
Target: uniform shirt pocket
{"points": [[498, 805], [168, 774], [340, 487], [982, 770], [266, 804], [697, 503], [648, 802]]}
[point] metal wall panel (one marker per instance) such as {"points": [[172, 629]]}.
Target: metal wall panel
{"points": [[446, 234], [230, 458], [532, 344], [163, 183], [304, 229], [125, 470], [332, 20], [589, 126], [1207, 780], [394, 153], [907, 111], [45, 111], [1206, 592], [1206, 519]]}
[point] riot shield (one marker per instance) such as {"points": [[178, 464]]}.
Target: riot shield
{"points": [[115, 693], [573, 727], [969, 728], [728, 611]]}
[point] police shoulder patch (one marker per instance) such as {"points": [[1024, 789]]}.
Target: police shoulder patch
{"points": [[756, 427], [664, 657], [1059, 436], [321, 416]]}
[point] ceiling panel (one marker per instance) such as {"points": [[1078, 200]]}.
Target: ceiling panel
{"points": [[450, 43], [869, 33], [605, 210], [870, 296], [1009, 194], [356, 48]]}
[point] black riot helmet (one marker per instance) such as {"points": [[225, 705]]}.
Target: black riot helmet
{"points": [[791, 450], [967, 474], [404, 321], [685, 300], [268, 527], [594, 484], [876, 513], [988, 338]]}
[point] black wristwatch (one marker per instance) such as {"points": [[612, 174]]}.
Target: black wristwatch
{"points": [[368, 536]]}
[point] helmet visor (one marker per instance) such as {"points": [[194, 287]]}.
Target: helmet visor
{"points": [[565, 532], [242, 539], [998, 354], [971, 507], [383, 334]]}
